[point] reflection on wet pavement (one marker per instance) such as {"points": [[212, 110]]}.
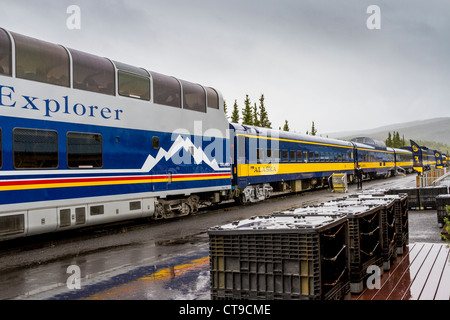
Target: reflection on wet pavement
{"points": [[183, 278]]}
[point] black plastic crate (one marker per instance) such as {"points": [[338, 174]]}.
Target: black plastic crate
{"points": [[413, 196], [388, 224], [280, 258], [428, 196], [442, 201], [365, 233]]}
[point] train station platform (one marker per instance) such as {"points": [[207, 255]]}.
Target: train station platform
{"points": [[421, 273]]}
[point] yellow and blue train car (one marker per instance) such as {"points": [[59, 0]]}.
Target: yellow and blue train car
{"points": [[266, 160], [374, 157], [404, 160]]}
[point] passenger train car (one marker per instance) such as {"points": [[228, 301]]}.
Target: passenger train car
{"points": [[268, 160], [374, 157], [430, 158], [85, 140]]}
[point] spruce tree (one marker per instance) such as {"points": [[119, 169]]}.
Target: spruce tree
{"points": [[256, 116], [225, 109], [263, 116], [397, 140], [313, 129], [247, 115], [286, 126], [388, 141], [235, 114]]}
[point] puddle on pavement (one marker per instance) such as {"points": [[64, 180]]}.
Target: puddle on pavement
{"points": [[181, 278]]}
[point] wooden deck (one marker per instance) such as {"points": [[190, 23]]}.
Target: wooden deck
{"points": [[421, 273]]}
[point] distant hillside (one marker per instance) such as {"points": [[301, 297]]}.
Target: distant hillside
{"points": [[432, 130]]}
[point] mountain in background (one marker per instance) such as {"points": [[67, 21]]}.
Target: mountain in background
{"points": [[431, 130]]}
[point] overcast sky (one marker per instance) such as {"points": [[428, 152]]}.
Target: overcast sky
{"points": [[314, 60]]}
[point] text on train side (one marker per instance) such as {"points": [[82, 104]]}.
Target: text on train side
{"points": [[52, 106]]}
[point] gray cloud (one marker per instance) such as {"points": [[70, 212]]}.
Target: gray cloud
{"points": [[313, 60]]}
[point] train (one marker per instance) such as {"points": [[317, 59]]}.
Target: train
{"points": [[85, 140]]}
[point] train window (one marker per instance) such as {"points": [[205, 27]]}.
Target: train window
{"points": [[285, 155], [269, 154], [134, 86], [241, 146], [311, 156], [194, 97], [5, 54], [213, 98], [35, 149], [292, 155], [299, 156], [84, 150], [41, 61], [276, 154], [305, 156], [155, 143], [92, 73], [166, 90], [260, 155]]}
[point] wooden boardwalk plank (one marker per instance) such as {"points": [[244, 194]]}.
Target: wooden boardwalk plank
{"points": [[443, 292], [389, 279], [424, 271], [431, 287], [401, 290]]}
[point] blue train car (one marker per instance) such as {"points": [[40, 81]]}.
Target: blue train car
{"points": [[267, 161], [374, 157], [85, 140], [430, 159], [404, 160]]}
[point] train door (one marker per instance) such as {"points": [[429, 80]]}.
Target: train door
{"points": [[241, 160]]}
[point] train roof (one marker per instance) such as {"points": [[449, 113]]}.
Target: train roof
{"points": [[258, 131], [398, 150], [370, 141]]}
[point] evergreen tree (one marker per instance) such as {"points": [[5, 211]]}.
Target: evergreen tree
{"points": [[256, 116], [247, 115], [225, 109], [313, 129], [263, 116], [388, 141], [286, 126], [235, 114], [397, 141]]}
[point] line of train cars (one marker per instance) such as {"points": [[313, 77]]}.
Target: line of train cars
{"points": [[85, 140]]}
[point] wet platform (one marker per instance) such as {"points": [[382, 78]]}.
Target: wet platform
{"points": [[421, 273]]}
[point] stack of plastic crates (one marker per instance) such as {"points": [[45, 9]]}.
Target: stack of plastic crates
{"points": [[401, 218], [422, 197], [365, 238], [390, 222], [413, 196], [428, 196], [280, 257]]}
